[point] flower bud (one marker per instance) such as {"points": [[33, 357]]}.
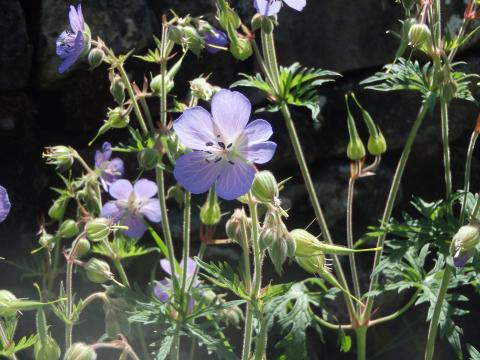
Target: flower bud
{"points": [[266, 238], [48, 350], [148, 158], [232, 316], [193, 40], [175, 34], [80, 351], [47, 241], [282, 244], [419, 34], [57, 210], [157, 83], [306, 243], [6, 297], [256, 22], [209, 297], [241, 48], [95, 58], [377, 145], [464, 243], [210, 213], [355, 148], [117, 89], [234, 226], [201, 89], [68, 229], [267, 24], [313, 264], [98, 271], [117, 118], [98, 229], [82, 247], [265, 187], [60, 156]]}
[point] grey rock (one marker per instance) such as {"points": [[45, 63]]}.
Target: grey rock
{"points": [[15, 48], [122, 24]]}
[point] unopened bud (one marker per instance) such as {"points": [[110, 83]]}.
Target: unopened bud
{"points": [[117, 89], [377, 145], [98, 229], [194, 41], [313, 264], [419, 34], [80, 351], [256, 22], [82, 247], [235, 224], [355, 147], [157, 83], [241, 48], [57, 210], [210, 213], [267, 24], [148, 158], [117, 118], [6, 297], [98, 271], [95, 58], [59, 156], [265, 187], [232, 316], [48, 350], [47, 241], [464, 243], [68, 229]]}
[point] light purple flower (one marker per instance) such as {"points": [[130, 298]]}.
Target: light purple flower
{"points": [[4, 204], [460, 259], [272, 7], [215, 39], [110, 170], [71, 43], [163, 288], [224, 146], [132, 204]]}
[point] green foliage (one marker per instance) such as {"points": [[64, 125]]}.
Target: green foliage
{"points": [[298, 87], [122, 247]]}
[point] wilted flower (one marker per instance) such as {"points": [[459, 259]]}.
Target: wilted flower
{"points": [[72, 43], [132, 204], [272, 7], [110, 169], [4, 204], [163, 288], [215, 40], [224, 146]]}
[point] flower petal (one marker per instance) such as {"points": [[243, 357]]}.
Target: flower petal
{"points": [[145, 189], [296, 4], [4, 204], [260, 153], [74, 54], [76, 18], [195, 128], [461, 258], [162, 290], [215, 39], [165, 265], [103, 155], [191, 266], [268, 7], [121, 189], [136, 226], [258, 131], [231, 112], [235, 180], [151, 209], [112, 211], [194, 173]]}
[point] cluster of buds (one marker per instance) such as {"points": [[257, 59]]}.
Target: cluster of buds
{"points": [[464, 243], [62, 157]]}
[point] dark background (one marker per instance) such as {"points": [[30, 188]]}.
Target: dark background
{"points": [[38, 107]]}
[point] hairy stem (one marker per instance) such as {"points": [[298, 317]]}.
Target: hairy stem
{"points": [[468, 170], [361, 336], [353, 265], [446, 147], [186, 242]]}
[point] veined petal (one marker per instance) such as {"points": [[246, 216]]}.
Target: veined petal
{"points": [[4, 204], [235, 180], [121, 189], [151, 210], [231, 111], [76, 18], [136, 225], [191, 266], [75, 53], [260, 153], [104, 154], [258, 131], [268, 7], [165, 265], [296, 4], [145, 189], [194, 173], [195, 128], [112, 211]]}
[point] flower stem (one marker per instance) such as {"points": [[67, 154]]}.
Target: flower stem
{"points": [[468, 170], [186, 243], [69, 324], [121, 272], [353, 265], [392, 196], [446, 148], [432, 331], [361, 336], [262, 338]]}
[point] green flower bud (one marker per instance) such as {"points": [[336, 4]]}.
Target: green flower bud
{"points": [[209, 297], [68, 229], [157, 83], [419, 34], [95, 58], [47, 241], [201, 89], [193, 40], [241, 48], [117, 118], [266, 238], [265, 187], [82, 247], [175, 34], [48, 350], [57, 210], [80, 351], [280, 243], [98, 271], [98, 229], [6, 297], [148, 159], [377, 145], [313, 264], [306, 243], [232, 316], [234, 226], [267, 24], [117, 89], [210, 213], [355, 149], [60, 156], [256, 22]]}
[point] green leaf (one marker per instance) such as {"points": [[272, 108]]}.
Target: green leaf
{"points": [[345, 341], [22, 344], [165, 347], [123, 248], [474, 353], [209, 336]]}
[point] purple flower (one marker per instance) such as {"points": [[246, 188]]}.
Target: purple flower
{"points": [[163, 288], [110, 170], [224, 146], [71, 43], [272, 7], [132, 204], [215, 39], [4, 204]]}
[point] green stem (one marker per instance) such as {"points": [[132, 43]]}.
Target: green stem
{"points": [[186, 242], [69, 309], [468, 170], [392, 196], [446, 147], [396, 314], [361, 336], [353, 265], [261, 344], [247, 336], [257, 252], [121, 272], [148, 115], [432, 331]]}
